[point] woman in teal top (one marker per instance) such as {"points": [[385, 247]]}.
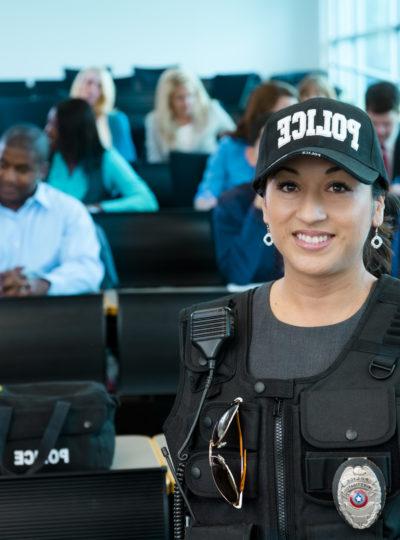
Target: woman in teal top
{"points": [[83, 168]]}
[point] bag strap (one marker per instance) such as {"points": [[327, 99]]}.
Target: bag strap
{"points": [[48, 441], [51, 435]]}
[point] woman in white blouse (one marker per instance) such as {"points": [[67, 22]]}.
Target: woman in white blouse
{"points": [[184, 119]]}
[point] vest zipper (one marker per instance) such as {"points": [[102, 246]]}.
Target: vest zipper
{"points": [[279, 465]]}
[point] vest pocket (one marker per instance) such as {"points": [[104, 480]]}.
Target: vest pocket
{"points": [[221, 532], [341, 531], [348, 418], [320, 468], [343, 423], [199, 480]]}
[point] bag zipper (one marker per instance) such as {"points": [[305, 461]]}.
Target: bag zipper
{"points": [[279, 466]]}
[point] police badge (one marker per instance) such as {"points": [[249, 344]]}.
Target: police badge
{"points": [[359, 492]]}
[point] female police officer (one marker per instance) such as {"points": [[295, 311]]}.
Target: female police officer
{"points": [[288, 430]]}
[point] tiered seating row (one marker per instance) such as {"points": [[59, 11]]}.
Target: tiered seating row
{"points": [[65, 338], [173, 247]]}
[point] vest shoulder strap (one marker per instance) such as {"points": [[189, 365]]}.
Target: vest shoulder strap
{"points": [[390, 290], [379, 329]]}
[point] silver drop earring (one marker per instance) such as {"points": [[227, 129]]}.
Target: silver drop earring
{"points": [[376, 240], [268, 238]]}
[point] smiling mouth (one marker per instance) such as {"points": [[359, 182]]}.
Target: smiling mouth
{"points": [[313, 240]]}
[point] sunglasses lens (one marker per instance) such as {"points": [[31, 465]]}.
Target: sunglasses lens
{"points": [[224, 423], [224, 480]]}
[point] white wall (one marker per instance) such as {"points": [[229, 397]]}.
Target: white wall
{"points": [[39, 37]]}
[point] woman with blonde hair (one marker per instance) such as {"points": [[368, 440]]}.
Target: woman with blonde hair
{"points": [[315, 85], [96, 86], [184, 119]]}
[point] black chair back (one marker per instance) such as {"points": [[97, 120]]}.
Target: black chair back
{"points": [[137, 104], [70, 74], [158, 177], [231, 88], [14, 89], [148, 337], [124, 85], [54, 88], [52, 338], [187, 170], [171, 247], [147, 78], [26, 110], [92, 506]]}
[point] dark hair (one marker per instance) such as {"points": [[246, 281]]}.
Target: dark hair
{"points": [[256, 126], [382, 97], [28, 137], [78, 139], [261, 101], [379, 261]]}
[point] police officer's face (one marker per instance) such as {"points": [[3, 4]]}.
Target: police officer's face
{"points": [[20, 172], [319, 216]]}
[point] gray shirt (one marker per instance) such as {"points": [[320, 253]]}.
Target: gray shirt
{"points": [[283, 351]]}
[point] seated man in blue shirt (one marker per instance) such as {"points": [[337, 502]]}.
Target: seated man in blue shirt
{"points": [[48, 243]]}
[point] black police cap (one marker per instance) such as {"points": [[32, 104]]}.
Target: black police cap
{"points": [[326, 128]]}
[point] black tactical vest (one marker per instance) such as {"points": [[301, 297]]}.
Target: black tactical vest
{"points": [[297, 432]]}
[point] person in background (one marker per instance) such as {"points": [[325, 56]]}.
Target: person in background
{"points": [[315, 85], [228, 166], [80, 166], [382, 103], [48, 242], [238, 226], [96, 86], [184, 119]]}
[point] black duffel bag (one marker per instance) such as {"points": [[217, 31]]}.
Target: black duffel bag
{"points": [[56, 426]]}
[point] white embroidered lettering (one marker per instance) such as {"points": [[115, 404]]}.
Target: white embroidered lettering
{"points": [[302, 124], [53, 457], [311, 122], [353, 127], [300, 118], [28, 457], [64, 455], [283, 126], [325, 131], [339, 127], [18, 458]]}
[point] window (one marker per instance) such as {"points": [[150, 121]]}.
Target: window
{"points": [[360, 44]]}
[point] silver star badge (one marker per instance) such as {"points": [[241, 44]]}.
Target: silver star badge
{"points": [[359, 492]]}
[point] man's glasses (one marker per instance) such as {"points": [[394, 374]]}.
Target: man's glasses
{"points": [[229, 488]]}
